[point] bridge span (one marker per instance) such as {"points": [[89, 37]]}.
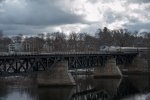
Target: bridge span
{"points": [[29, 62], [52, 68]]}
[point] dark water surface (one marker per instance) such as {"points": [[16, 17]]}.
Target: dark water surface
{"points": [[87, 88]]}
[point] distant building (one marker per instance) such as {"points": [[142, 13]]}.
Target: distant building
{"points": [[15, 47]]}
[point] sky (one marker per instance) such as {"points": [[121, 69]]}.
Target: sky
{"points": [[37, 16]]}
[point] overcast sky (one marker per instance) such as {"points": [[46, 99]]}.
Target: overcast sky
{"points": [[35, 16]]}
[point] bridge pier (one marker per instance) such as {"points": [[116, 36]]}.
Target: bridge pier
{"points": [[138, 66], [109, 70], [57, 76]]}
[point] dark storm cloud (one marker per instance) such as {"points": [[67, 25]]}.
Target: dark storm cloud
{"points": [[138, 1], [93, 1], [40, 12], [17, 29], [31, 14], [41, 17], [137, 26], [12, 27], [1, 1]]}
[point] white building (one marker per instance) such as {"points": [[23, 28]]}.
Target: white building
{"points": [[15, 47]]}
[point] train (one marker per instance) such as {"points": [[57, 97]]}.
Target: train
{"points": [[123, 49]]}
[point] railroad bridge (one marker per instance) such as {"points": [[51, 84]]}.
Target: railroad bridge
{"points": [[18, 63], [105, 63]]}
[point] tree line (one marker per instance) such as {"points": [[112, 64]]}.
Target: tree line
{"points": [[77, 42]]}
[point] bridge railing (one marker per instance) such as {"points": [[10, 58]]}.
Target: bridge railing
{"points": [[51, 53], [65, 53]]}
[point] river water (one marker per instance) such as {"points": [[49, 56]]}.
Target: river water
{"points": [[87, 88]]}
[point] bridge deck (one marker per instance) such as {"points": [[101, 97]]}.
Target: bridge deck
{"points": [[66, 53], [28, 62]]}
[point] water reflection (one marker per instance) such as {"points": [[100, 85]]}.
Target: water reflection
{"points": [[87, 88], [55, 93], [17, 93], [95, 89], [17, 88], [133, 86], [111, 89]]}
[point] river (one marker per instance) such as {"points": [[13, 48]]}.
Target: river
{"points": [[87, 88]]}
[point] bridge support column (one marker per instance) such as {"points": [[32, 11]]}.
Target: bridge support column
{"points": [[57, 76], [109, 70], [138, 66]]}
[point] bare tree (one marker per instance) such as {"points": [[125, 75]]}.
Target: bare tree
{"points": [[72, 41]]}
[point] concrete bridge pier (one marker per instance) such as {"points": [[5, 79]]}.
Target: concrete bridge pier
{"points": [[138, 65], [57, 76], [109, 70]]}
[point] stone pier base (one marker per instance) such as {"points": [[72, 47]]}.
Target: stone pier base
{"points": [[138, 66], [57, 76], [109, 70]]}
